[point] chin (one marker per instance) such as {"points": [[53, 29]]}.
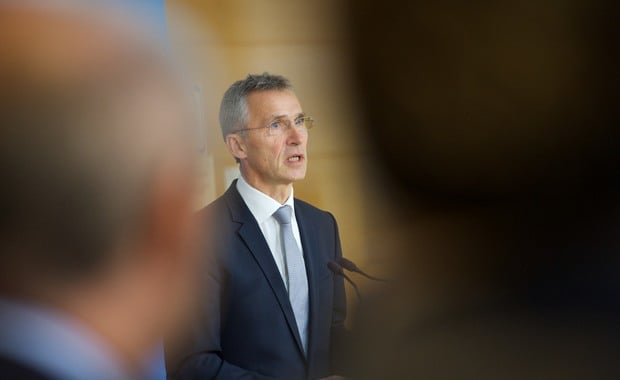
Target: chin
{"points": [[299, 177], [296, 176]]}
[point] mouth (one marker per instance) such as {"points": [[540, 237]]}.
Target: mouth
{"points": [[295, 158]]}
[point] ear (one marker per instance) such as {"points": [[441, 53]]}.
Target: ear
{"points": [[236, 146]]}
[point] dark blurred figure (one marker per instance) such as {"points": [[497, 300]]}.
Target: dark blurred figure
{"points": [[98, 240], [494, 126]]}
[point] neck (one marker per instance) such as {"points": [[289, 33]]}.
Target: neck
{"points": [[280, 192]]}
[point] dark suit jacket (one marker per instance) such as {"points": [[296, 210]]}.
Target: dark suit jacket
{"points": [[10, 369], [247, 329]]}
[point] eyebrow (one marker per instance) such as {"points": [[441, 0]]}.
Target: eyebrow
{"points": [[276, 117]]}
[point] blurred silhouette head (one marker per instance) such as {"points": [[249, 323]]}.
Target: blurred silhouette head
{"points": [[491, 101]]}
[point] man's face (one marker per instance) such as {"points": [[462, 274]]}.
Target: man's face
{"points": [[274, 161]]}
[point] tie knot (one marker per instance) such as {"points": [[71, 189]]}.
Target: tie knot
{"points": [[283, 214]]}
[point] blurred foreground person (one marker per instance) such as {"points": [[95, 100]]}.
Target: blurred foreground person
{"points": [[97, 234], [495, 128]]}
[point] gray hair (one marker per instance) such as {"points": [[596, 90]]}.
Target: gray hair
{"points": [[234, 106]]}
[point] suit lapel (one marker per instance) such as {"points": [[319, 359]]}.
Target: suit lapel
{"points": [[251, 235], [308, 241]]}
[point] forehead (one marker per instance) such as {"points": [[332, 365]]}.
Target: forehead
{"points": [[272, 103]]}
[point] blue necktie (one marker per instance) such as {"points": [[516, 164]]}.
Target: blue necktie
{"points": [[296, 279]]}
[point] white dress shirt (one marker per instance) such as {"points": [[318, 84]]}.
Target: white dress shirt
{"points": [[262, 208]]}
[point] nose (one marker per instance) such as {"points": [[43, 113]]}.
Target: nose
{"points": [[295, 135]]}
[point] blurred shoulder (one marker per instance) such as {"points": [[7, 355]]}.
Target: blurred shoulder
{"points": [[10, 369]]}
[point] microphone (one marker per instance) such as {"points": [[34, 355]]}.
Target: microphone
{"points": [[351, 267], [337, 269]]}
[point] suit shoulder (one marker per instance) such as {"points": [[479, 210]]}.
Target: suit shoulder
{"points": [[312, 211], [216, 208]]}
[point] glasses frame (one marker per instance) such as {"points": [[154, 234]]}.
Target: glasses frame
{"points": [[308, 123]]}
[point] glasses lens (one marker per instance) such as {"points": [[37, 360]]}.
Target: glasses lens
{"points": [[280, 127], [277, 127], [308, 122]]}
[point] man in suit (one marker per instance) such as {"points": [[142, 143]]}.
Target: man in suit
{"points": [[97, 230], [274, 310]]}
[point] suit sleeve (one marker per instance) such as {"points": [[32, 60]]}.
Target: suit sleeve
{"points": [[339, 333]]}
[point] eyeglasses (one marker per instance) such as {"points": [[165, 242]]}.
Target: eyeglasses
{"points": [[278, 126]]}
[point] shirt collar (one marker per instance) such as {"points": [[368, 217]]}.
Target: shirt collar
{"points": [[260, 204]]}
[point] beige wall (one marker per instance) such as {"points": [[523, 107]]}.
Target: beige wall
{"points": [[304, 41]]}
